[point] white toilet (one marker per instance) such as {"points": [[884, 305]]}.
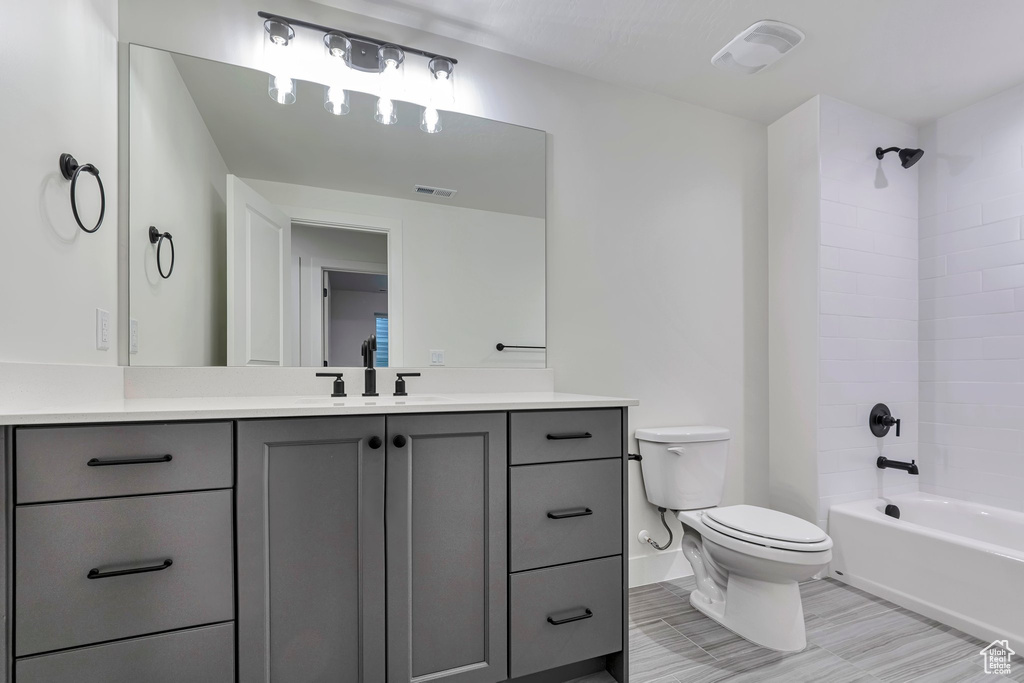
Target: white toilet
{"points": [[747, 560]]}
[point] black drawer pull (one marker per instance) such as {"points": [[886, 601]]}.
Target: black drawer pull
{"points": [[566, 514], [571, 435], [576, 617], [97, 574], [96, 462]]}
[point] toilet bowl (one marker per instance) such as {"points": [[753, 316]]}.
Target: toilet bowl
{"points": [[747, 560]]}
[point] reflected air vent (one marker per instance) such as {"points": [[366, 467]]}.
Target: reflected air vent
{"points": [[434, 191], [758, 47]]}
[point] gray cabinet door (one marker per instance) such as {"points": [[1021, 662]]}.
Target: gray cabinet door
{"points": [[447, 568], [310, 510]]}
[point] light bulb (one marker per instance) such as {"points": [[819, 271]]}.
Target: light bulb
{"points": [[430, 122], [386, 112], [336, 100], [282, 89]]}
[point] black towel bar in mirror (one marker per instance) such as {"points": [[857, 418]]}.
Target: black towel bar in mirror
{"points": [[156, 237], [502, 347], [71, 169]]}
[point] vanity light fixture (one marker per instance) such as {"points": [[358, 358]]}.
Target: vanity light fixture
{"points": [[362, 64], [338, 49], [392, 75], [277, 36], [440, 92]]}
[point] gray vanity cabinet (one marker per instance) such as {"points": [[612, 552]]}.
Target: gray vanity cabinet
{"points": [[310, 538], [447, 572]]}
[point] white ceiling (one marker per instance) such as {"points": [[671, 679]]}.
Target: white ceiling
{"points": [[914, 60], [493, 166]]}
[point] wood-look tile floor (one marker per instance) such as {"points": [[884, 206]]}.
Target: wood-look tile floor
{"points": [[852, 636]]}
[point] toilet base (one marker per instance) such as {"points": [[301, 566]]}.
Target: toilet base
{"points": [[766, 613]]}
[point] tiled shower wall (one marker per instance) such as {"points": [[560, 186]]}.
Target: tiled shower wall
{"points": [[972, 303], [868, 303]]}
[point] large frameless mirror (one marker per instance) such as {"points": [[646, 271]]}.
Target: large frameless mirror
{"points": [[276, 234]]}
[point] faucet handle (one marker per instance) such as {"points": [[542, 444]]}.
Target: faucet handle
{"points": [[400, 382], [339, 383]]}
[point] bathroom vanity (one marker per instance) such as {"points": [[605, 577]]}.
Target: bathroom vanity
{"points": [[476, 540]]}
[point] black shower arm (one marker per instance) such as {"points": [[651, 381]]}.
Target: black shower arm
{"points": [[882, 152]]}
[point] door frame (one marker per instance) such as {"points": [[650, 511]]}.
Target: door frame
{"points": [[313, 316], [392, 229]]}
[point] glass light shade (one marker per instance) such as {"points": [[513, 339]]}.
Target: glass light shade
{"points": [[430, 120], [277, 37], [282, 89], [386, 112], [391, 60], [336, 100], [441, 87], [337, 45]]}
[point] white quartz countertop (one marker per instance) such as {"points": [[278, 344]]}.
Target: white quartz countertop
{"points": [[249, 407]]}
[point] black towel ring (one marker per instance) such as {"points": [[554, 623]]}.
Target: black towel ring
{"points": [[156, 237], [70, 169]]}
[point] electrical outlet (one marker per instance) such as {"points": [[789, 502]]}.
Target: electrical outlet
{"points": [[133, 336], [437, 356], [102, 329]]}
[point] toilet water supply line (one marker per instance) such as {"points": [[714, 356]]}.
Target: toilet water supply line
{"points": [[667, 528]]}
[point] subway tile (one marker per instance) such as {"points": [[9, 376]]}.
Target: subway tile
{"points": [[893, 287], [1002, 208], [887, 223], [1000, 301], [931, 267], [838, 214], [841, 281], [1005, 277], [972, 238], [951, 285], [951, 221], [984, 258]]}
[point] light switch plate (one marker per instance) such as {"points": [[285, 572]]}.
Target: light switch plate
{"points": [[102, 329], [133, 335], [437, 356]]}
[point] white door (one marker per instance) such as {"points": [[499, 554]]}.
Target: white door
{"points": [[259, 246]]}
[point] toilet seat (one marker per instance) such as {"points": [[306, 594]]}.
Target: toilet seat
{"points": [[767, 528]]}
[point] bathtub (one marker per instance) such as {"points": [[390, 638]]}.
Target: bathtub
{"points": [[959, 563]]}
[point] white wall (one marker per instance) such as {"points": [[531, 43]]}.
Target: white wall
{"points": [[353, 321], [470, 278], [58, 75], [972, 303], [178, 183], [657, 229], [868, 304], [794, 235]]}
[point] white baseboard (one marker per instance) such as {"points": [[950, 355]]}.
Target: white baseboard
{"points": [[646, 569]]}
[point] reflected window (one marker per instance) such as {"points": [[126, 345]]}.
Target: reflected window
{"points": [[381, 361]]}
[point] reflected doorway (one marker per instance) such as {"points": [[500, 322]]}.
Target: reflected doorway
{"points": [[355, 307]]}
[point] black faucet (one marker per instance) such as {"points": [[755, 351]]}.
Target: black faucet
{"points": [[908, 467], [881, 419], [370, 381], [400, 382], [339, 383]]}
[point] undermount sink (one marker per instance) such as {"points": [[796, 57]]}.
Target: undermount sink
{"points": [[415, 399]]}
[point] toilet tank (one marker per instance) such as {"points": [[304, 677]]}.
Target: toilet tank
{"points": [[684, 467]]}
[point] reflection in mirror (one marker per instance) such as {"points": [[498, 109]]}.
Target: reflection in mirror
{"points": [[299, 233]]}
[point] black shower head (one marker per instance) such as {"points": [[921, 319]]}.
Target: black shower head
{"points": [[908, 156]]}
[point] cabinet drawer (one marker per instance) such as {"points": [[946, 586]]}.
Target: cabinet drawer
{"points": [[561, 435], [591, 590], [565, 512], [68, 463], [200, 655], [75, 578]]}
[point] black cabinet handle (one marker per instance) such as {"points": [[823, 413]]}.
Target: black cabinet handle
{"points": [[96, 462], [571, 435], [399, 441], [97, 574], [375, 442], [566, 514], [568, 620]]}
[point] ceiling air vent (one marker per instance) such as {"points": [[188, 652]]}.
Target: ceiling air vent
{"points": [[758, 47], [434, 191]]}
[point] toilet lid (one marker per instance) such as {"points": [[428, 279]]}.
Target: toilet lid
{"points": [[765, 523]]}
